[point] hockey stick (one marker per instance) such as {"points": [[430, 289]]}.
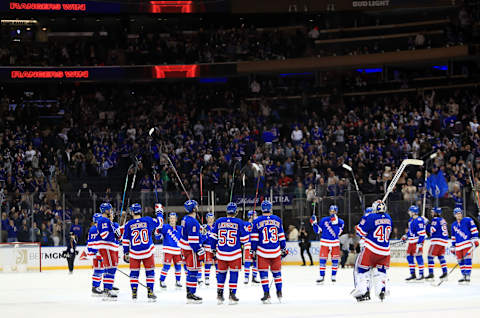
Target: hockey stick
{"points": [[405, 163], [124, 191], [133, 180], [155, 185], [259, 171], [201, 190], [150, 132], [243, 183], [431, 157], [347, 167], [233, 180], [458, 264], [474, 192], [119, 270]]}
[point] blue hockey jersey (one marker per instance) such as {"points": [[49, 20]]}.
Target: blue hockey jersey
{"points": [[228, 236], [92, 239], [416, 230], [331, 227], [171, 239], [438, 231], [190, 239], [207, 239], [375, 229], [463, 233], [107, 238], [137, 237], [248, 226], [267, 236]]}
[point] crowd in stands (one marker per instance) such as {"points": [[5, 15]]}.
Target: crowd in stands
{"points": [[214, 44], [300, 145]]}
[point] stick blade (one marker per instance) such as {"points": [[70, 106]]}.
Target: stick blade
{"points": [[347, 167], [150, 132], [415, 162]]}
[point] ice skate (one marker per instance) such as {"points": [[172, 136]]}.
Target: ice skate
{"points": [[163, 286], [97, 292], [266, 298], [134, 294], [151, 296], [430, 277], [410, 279], [109, 295], [220, 298], [193, 299], [233, 300], [279, 295], [444, 277], [207, 281], [321, 280], [178, 285]]}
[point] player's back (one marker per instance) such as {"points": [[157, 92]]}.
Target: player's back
{"points": [[92, 240], [331, 228], [230, 235], [171, 238], [416, 228], [376, 229], [190, 232], [438, 231], [107, 238], [268, 236], [463, 232], [138, 235]]}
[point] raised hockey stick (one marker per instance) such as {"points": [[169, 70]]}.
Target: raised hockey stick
{"points": [[259, 171], [124, 191], [347, 167], [405, 163], [458, 264], [233, 180]]}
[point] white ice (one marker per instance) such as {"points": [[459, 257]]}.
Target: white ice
{"points": [[58, 294]]}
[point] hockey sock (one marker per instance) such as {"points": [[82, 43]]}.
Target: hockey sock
{"points": [[134, 278], [334, 267], [323, 266], [192, 281], [109, 277], [247, 269], [216, 270], [443, 263], [150, 273], [411, 264], [221, 277], [264, 279], [207, 271], [461, 263], [97, 277], [467, 266], [178, 272], [232, 283], [164, 272], [277, 276], [254, 270], [420, 263], [431, 264], [199, 275]]}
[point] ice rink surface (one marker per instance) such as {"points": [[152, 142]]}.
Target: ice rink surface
{"points": [[58, 294]]}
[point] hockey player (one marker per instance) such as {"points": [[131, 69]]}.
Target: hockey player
{"points": [[268, 245], [464, 241], [375, 229], [209, 261], [415, 236], [138, 247], [331, 228], [171, 249], [250, 263], [366, 213], [108, 249], [438, 231], [192, 251], [95, 256], [228, 236]]}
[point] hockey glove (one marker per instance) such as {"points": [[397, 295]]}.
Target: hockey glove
{"points": [[313, 219], [126, 258], [404, 238], [254, 254], [284, 252], [475, 243], [214, 253], [452, 250]]}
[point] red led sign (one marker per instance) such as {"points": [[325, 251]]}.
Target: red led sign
{"points": [[171, 7], [176, 71], [45, 6], [48, 74]]}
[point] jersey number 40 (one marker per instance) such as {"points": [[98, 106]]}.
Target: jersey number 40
{"points": [[382, 234]]}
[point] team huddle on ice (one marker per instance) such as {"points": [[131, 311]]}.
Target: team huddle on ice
{"points": [[220, 243]]}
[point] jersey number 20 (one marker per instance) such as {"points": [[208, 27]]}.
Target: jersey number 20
{"points": [[382, 234], [140, 237]]}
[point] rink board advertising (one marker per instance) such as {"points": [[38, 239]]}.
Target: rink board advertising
{"points": [[52, 258]]}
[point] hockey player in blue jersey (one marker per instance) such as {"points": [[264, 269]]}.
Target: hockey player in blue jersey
{"points": [[107, 244], [415, 238], [330, 228], [172, 234], [268, 246], [228, 236], [464, 241], [192, 251], [375, 230], [367, 212], [207, 241], [250, 263], [92, 250], [138, 247], [438, 231]]}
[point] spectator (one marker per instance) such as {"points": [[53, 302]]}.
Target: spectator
{"points": [[292, 233], [346, 245], [77, 230], [296, 135], [12, 232], [409, 191], [34, 233], [305, 245]]}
